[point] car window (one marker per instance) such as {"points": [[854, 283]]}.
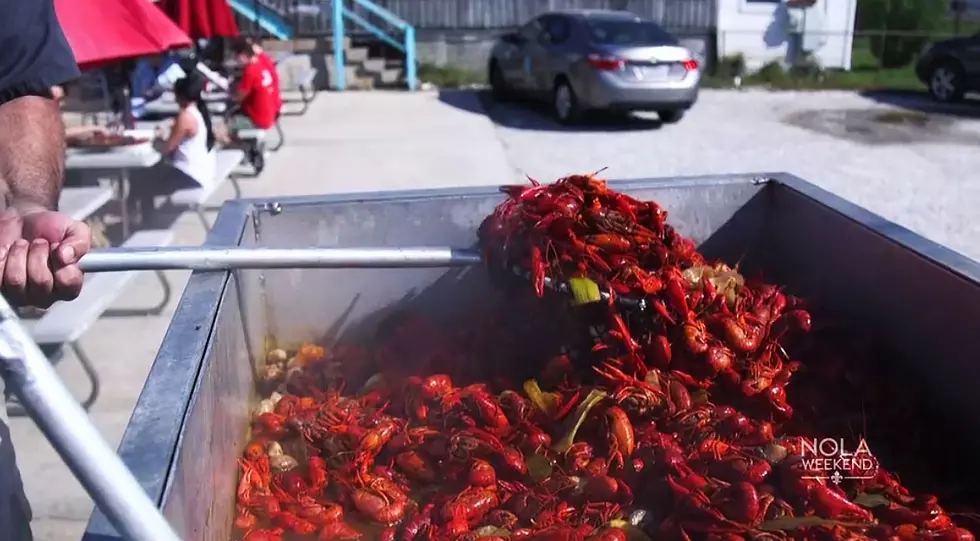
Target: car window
{"points": [[556, 30], [531, 31], [629, 33]]}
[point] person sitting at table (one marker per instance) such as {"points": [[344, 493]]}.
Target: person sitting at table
{"points": [[156, 75], [191, 141], [257, 94], [265, 59], [74, 134], [188, 150]]}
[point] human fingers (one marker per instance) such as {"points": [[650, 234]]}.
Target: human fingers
{"points": [[76, 243], [11, 229], [68, 282], [14, 285], [40, 279]]}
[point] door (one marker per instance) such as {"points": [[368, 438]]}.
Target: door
{"points": [[519, 66], [547, 55], [971, 59]]}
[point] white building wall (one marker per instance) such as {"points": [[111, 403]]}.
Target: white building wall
{"points": [[761, 30]]}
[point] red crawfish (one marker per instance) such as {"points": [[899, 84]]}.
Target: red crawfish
{"points": [[339, 531], [471, 504], [380, 501], [621, 438], [274, 534], [416, 466]]}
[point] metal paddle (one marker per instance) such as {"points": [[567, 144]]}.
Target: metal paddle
{"points": [[212, 258]]}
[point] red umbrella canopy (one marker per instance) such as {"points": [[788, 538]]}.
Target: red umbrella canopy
{"points": [[105, 31], [202, 19]]}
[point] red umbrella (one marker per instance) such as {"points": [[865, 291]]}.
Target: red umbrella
{"points": [[202, 19], [104, 31]]}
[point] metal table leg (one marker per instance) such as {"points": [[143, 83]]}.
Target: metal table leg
{"points": [[33, 380], [122, 188]]}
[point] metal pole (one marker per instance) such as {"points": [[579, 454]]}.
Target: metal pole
{"points": [[127, 259], [337, 20], [115, 491]]}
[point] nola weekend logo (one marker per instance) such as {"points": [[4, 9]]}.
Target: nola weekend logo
{"points": [[827, 459]]}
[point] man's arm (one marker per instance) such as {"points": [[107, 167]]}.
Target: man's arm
{"points": [[32, 147], [245, 86], [32, 153]]}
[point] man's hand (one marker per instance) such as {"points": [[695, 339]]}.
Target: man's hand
{"points": [[39, 253]]}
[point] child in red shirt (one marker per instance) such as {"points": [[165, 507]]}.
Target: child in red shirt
{"points": [[258, 89], [271, 65]]}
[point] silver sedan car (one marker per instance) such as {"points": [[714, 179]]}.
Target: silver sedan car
{"points": [[595, 60]]}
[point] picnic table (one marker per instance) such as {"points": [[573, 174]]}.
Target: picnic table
{"points": [[121, 159], [166, 104], [81, 202], [279, 56]]}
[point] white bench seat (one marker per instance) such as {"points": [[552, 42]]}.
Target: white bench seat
{"points": [[66, 322], [226, 160], [304, 84]]}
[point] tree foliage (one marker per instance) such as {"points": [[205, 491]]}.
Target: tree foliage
{"points": [[899, 28]]}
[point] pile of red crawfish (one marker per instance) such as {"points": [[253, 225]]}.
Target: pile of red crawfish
{"points": [[591, 420]]}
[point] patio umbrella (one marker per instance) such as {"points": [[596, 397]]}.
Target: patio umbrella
{"points": [[202, 19], [102, 32]]}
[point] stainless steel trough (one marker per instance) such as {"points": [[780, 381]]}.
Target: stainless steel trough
{"points": [[190, 422]]}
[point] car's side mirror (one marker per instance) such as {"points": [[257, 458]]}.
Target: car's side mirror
{"points": [[513, 38]]}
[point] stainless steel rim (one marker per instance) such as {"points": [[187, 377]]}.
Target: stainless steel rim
{"points": [[563, 101], [943, 83]]}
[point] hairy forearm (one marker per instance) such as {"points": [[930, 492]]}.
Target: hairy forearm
{"points": [[32, 152]]}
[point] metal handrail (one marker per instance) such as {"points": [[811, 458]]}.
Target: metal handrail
{"points": [[388, 16], [406, 44]]}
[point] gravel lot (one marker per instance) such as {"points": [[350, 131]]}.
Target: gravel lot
{"points": [[891, 154]]}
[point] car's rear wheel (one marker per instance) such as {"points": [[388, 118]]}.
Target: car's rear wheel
{"points": [[498, 85], [564, 103], [947, 82], [671, 116]]}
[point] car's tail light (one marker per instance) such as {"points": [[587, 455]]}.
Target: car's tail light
{"points": [[606, 63], [691, 65]]}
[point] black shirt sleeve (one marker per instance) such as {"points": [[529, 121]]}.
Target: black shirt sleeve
{"points": [[34, 54]]}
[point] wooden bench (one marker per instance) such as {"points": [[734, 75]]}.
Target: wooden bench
{"points": [[195, 198], [66, 322]]}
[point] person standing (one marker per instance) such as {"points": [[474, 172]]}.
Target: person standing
{"points": [[39, 247]]}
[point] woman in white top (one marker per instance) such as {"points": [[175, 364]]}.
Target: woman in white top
{"points": [[188, 151], [191, 138]]}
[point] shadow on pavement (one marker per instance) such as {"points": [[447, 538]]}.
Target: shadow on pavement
{"points": [[922, 102], [536, 117]]}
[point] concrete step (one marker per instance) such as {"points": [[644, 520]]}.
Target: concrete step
{"points": [[389, 77], [356, 55], [374, 65]]}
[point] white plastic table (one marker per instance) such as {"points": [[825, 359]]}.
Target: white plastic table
{"points": [[122, 159]]}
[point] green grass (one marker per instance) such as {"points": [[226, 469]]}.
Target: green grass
{"points": [[449, 77], [865, 74]]}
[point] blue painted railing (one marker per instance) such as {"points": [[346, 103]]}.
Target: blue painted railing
{"points": [[403, 40], [264, 16]]}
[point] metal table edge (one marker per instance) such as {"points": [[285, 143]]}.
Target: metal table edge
{"points": [[471, 191], [162, 407], [946, 258]]}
